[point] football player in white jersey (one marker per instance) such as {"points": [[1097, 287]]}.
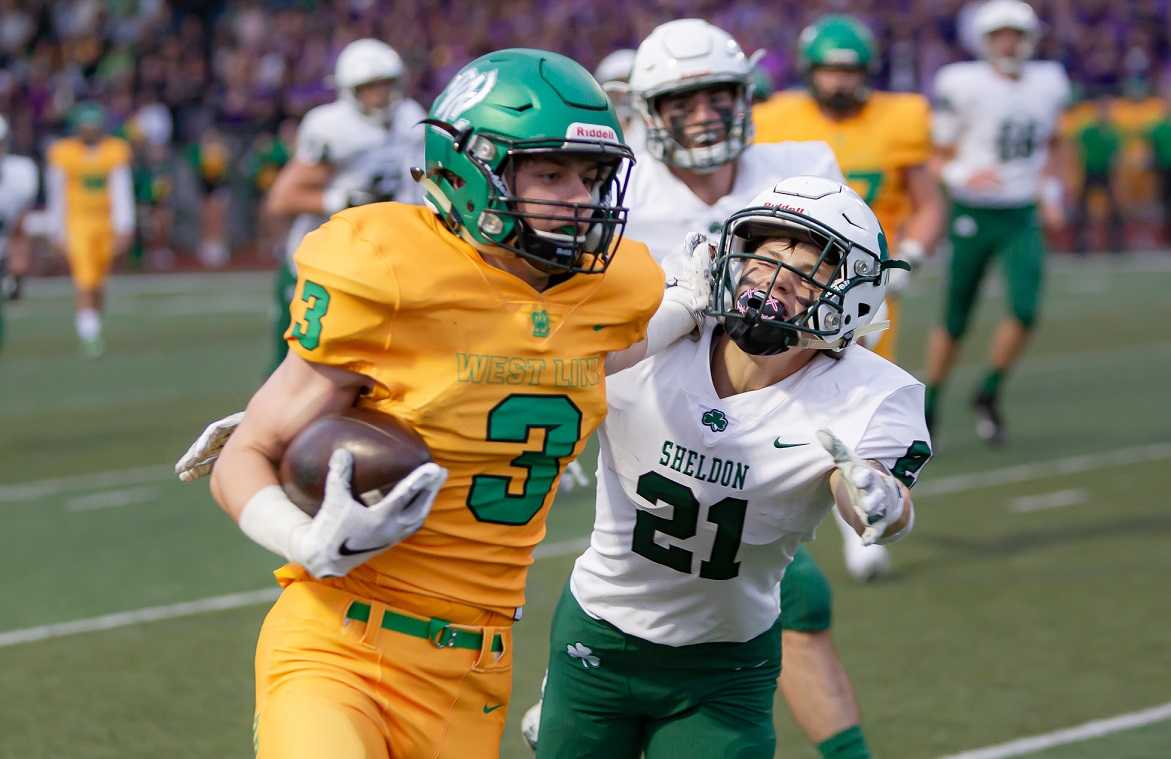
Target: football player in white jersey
{"points": [[718, 457], [18, 190], [692, 86], [358, 149], [996, 130], [613, 73]]}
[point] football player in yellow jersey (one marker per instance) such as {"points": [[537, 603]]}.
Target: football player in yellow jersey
{"points": [[91, 203], [882, 141], [487, 321]]}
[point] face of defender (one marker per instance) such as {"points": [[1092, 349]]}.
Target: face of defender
{"points": [[540, 181], [376, 96], [838, 85], [699, 118], [90, 132], [1005, 43], [779, 292]]}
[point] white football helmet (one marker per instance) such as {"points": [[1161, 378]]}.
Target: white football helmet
{"points": [[813, 210], [691, 54], [613, 73], [362, 62], [615, 67], [1007, 14]]}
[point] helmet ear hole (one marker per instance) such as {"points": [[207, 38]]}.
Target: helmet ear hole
{"points": [[863, 309]]}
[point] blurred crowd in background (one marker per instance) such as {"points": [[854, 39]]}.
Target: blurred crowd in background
{"points": [[210, 93]]}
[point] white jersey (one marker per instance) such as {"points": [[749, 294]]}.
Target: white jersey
{"points": [[703, 500], [18, 190], [663, 210], [363, 154], [994, 121]]}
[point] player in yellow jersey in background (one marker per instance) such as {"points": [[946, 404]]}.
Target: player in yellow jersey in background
{"points": [[91, 203], [882, 141], [487, 321]]}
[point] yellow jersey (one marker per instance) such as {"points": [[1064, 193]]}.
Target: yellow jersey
{"points": [[504, 383], [874, 147], [87, 175]]}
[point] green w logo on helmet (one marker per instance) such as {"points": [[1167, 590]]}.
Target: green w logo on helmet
{"points": [[503, 112]]}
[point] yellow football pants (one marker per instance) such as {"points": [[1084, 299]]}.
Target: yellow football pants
{"points": [[888, 339], [328, 687], [89, 246]]}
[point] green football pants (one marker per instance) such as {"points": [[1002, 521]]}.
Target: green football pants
{"points": [[806, 598], [978, 235], [615, 696]]}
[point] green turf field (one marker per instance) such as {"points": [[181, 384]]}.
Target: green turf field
{"points": [[1031, 598]]}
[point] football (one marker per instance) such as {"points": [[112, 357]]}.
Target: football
{"points": [[385, 450]]}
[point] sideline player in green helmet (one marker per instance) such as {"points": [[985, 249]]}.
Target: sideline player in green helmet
{"points": [[487, 321], [845, 44]]}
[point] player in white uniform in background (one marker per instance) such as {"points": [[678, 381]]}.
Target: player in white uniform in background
{"points": [[358, 149], [18, 190], [996, 130], [613, 73], [714, 466], [691, 85]]}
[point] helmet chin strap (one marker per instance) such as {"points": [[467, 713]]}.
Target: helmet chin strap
{"points": [[742, 331]]}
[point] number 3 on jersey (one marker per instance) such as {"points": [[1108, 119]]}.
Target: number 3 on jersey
{"points": [[308, 331], [727, 515], [512, 421]]}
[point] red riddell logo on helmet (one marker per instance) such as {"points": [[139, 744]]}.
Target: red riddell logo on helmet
{"points": [[784, 207], [591, 132]]}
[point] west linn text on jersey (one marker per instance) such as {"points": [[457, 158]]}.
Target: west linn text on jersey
{"points": [[489, 369]]}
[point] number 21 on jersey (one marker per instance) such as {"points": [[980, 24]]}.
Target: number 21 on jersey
{"points": [[727, 515]]}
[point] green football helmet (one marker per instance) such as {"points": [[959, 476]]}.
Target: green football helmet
{"points": [[841, 42], [515, 103], [87, 114]]}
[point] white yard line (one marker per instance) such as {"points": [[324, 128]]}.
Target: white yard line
{"points": [[1058, 499], [27, 491], [959, 483], [1069, 465], [138, 616], [111, 499], [181, 283], [1083, 732], [151, 284]]}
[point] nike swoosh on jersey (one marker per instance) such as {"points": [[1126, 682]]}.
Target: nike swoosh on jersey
{"points": [[490, 709], [345, 549], [778, 444]]}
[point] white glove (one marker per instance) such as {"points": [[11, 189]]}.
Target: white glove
{"points": [[897, 280], [201, 456], [345, 533], [688, 283], [875, 496], [574, 476], [530, 724]]}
